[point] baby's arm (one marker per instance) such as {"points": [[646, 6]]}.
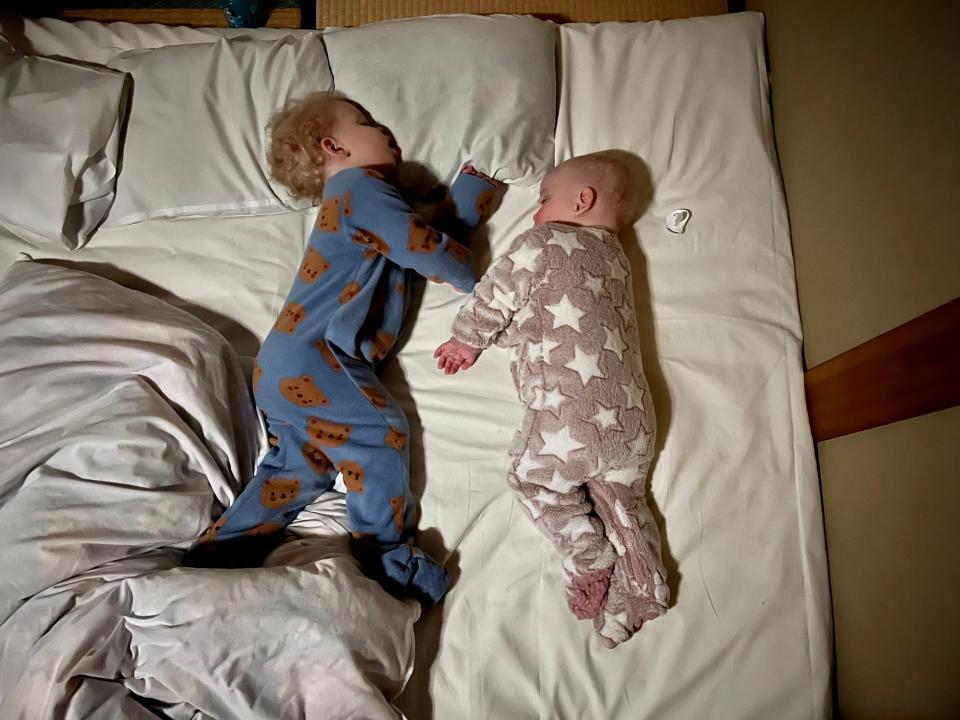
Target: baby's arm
{"points": [[496, 298], [377, 217]]}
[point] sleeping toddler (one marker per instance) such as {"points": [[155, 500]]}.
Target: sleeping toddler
{"points": [[315, 376], [561, 300]]}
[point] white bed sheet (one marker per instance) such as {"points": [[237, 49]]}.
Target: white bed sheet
{"points": [[735, 480]]}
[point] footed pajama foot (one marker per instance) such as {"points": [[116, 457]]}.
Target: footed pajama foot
{"points": [[587, 593], [408, 571], [629, 604]]}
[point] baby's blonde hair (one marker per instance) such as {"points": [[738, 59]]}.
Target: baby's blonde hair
{"points": [[612, 179], [295, 156]]}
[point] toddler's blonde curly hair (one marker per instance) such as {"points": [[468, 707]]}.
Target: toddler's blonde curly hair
{"points": [[295, 156]]}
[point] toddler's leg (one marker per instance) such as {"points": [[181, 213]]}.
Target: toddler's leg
{"points": [[638, 591], [252, 526], [550, 487], [368, 443]]}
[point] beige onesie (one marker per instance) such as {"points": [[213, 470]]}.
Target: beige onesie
{"points": [[561, 300]]}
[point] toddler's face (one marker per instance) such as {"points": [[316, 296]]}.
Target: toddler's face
{"points": [[558, 197], [369, 144]]}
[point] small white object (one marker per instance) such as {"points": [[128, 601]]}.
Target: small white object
{"points": [[677, 220]]}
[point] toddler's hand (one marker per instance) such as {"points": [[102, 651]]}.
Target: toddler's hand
{"points": [[454, 355], [471, 170]]}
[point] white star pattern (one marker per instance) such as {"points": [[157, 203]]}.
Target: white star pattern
{"points": [[546, 347], [614, 626], [526, 464], [559, 443], [617, 270], [587, 366], [640, 444], [525, 258], [565, 313], [615, 343], [607, 418], [558, 483], [523, 314], [594, 283], [577, 527], [623, 476], [551, 400], [502, 301], [566, 240], [633, 401], [627, 314]]}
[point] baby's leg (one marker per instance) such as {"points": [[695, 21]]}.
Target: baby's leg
{"points": [[638, 591], [285, 483], [550, 487]]}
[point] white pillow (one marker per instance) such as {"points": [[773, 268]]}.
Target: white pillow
{"points": [[59, 139], [195, 140], [457, 88]]}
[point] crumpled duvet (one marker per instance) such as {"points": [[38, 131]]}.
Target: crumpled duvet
{"points": [[123, 423]]}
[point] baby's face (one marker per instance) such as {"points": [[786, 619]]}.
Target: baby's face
{"points": [[369, 143], [558, 197]]}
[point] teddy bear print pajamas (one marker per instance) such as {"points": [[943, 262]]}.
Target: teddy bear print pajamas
{"points": [[315, 382]]}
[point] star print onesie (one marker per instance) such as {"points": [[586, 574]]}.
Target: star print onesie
{"points": [[314, 380], [561, 300]]}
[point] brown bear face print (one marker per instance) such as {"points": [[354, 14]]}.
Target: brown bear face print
{"points": [[328, 220], [485, 202], [347, 207], [313, 266], [396, 504], [290, 317], [302, 391], [458, 251], [349, 292], [373, 174], [382, 343], [423, 239], [316, 459], [401, 288], [396, 438], [328, 355], [326, 433], [373, 242], [266, 528], [211, 532], [279, 491], [375, 397], [352, 475], [257, 374]]}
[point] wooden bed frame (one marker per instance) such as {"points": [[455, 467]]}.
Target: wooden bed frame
{"points": [[912, 370]]}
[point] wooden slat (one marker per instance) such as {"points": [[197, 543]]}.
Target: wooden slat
{"points": [[350, 13], [912, 370], [197, 17]]}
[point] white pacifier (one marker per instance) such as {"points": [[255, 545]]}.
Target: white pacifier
{"points": [[677, 220]]}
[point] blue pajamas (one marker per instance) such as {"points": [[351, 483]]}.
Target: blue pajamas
{"points": [[314, 380]]}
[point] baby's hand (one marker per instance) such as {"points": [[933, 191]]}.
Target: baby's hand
{"points": [[454, 355]]}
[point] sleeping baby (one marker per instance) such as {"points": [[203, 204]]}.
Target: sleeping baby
{"points": [[561, 299]]}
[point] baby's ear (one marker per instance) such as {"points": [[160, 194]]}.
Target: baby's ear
{"points": [[586, 199], [332, 148]]}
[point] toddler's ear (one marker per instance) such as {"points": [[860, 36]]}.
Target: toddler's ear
{"points": [[331, 147], [586, 200]]}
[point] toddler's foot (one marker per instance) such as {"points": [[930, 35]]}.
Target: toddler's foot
{"points": [[408, 571]]}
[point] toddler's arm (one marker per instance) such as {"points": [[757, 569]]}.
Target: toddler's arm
{"points": [[472, 194], [377, 217]]}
